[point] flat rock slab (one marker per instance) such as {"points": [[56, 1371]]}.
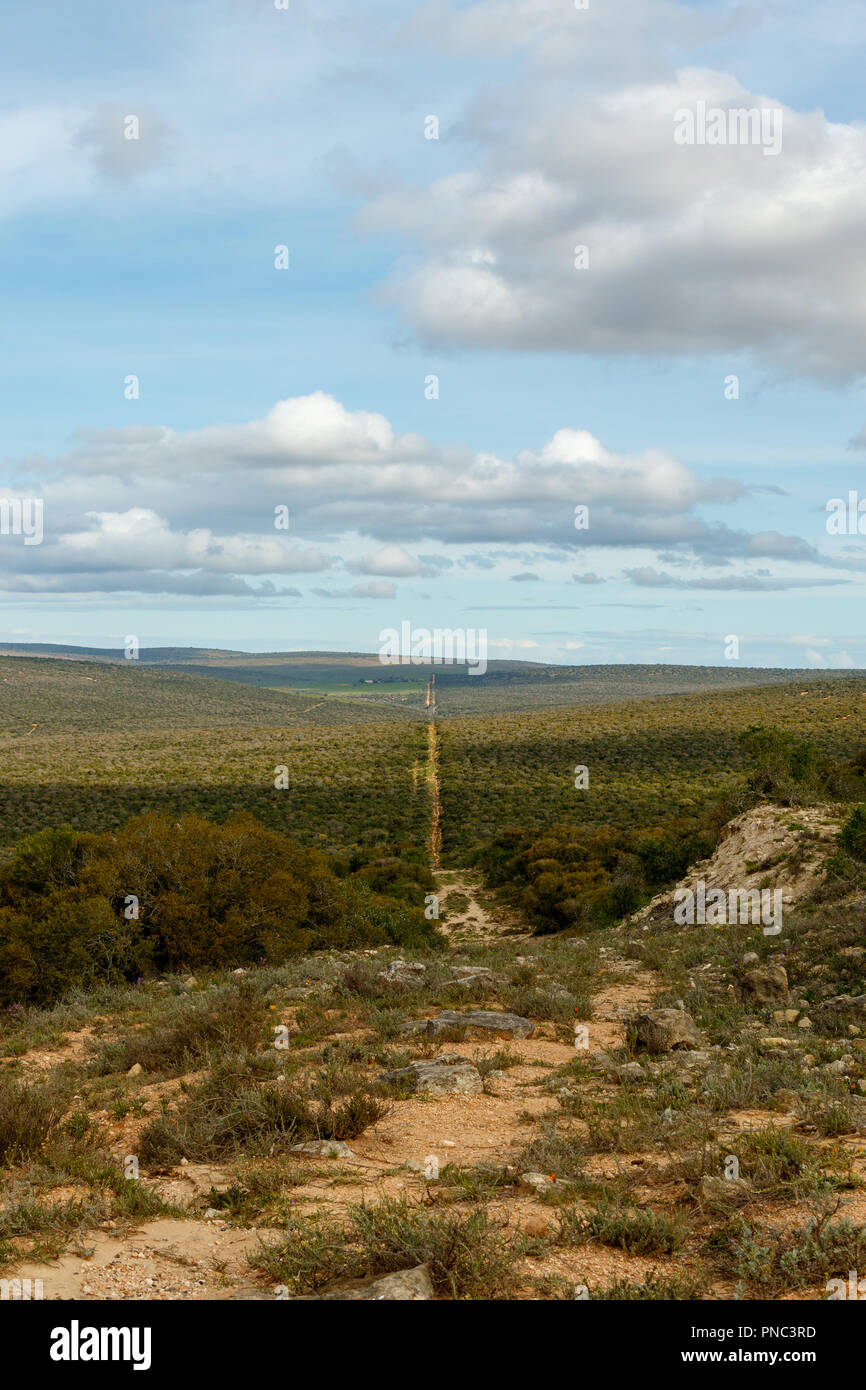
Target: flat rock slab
{"points": [[324, 1148], [477, 974], [485, 1021], [842, 1002], [449, 1074], [405, 1286], [184, 1186], [537, 1183], [403, 972]]}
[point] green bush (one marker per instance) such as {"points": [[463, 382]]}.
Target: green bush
{"points": [[206, 895], [852, 836]]}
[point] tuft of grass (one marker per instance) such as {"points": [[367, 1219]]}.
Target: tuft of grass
{"points": [[637, 1231], [775, 1262], [233, 1110], [468, 1256], [230, 1019], [678, 1288], [29, 1116]]}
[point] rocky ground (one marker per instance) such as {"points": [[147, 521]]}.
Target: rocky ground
{"points": [[645, 1112]]}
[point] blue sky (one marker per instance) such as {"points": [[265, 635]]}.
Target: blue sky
{"points": [[449, 257]]}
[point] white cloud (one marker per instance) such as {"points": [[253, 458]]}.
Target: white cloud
{"points": [[691, 248], [392, 560], [148, 498]]}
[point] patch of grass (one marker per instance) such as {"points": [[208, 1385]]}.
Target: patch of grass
{"points": [[553, 1151], [501, 1060], [676, 1288], [29, 1116], [530, 1001], [780, 1164], [235, 1109], [478, 1184], [468, 1257], [776, 1262], [638, 1231], [230, 1019]]}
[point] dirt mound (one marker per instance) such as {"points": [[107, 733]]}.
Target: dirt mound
{"points": [[776, 847]]}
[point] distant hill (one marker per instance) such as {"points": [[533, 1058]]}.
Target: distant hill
{"points": [[66, 696], [361, 677]]}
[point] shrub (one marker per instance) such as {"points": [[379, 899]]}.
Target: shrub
{"points": [[206, 895]]}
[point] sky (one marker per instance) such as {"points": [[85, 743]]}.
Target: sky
{"points": [[320, 318]]}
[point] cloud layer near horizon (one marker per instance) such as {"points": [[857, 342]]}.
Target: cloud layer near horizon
{"points": [[151, 509]]}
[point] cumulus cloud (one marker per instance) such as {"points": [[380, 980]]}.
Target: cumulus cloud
{"points": [[690, 248], [148, 498], [392, 560]]}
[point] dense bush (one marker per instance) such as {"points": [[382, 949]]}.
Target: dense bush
{"points": [[795, 772], [852, 836], [204, 894], [581, 877]]}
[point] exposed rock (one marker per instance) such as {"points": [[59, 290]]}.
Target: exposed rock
{"points": [[787, 1099], [324, 1148], [403, 972], [189, 1182], [537, 1183], [857, 1109], [696, 1059], [406, 1285], [470, 974], [135, 1070], [251, 1294], [769, 985], [597, 1055], [448, 1074], [632, 1071], [750, 957], [840, 1067], [842, 1002], [313, 989], [661, 1030], [773, 1044], [535, 1225], [504, 1025]]}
